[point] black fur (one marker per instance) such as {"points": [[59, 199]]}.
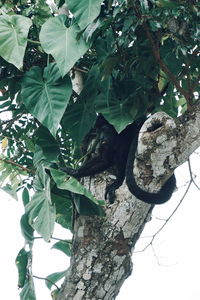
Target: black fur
{"points": [[113, 149]]}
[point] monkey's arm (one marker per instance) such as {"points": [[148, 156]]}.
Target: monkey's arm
{"points": [[162, 196], [91, 167]]}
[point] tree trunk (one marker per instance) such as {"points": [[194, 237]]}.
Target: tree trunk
{"points": [[102, 247]]}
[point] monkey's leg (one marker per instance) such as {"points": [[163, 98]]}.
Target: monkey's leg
{"points": [[110, 189]]}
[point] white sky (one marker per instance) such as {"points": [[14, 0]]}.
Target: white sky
{"points": [[177, 249]]}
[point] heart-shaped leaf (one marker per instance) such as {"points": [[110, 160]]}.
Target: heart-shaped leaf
{"points": [[84, 11], [62, 43], [46, 95], [80, 117], [13, 38], [42, 213]]}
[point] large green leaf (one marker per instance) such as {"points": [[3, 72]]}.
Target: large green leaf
{"points": [[62, 43], [44, 224], [114, 110], [64, 207], [13, 38], [121, 113], [63, 181], [26, 229], [25, 196], [78, 120], [53, 278], [85, 207], [46, 95], [64, 246], [85, 11], [80, 117], [28, 291], [119, 110], [22, 266], [41, 212], [48, 144]]}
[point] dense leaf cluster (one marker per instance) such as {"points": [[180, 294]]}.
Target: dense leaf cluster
{"points": [[135, 58]]}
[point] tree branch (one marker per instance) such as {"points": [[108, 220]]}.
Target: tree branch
{"points": [[163, 66], [8, 161], [164, 144], [102, 247]]}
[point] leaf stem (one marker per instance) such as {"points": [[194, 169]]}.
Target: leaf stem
{"points": [[46, 279], [34, 42]]}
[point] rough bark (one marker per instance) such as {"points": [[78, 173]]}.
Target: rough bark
{"points": [[164, 144], [102, 247]]}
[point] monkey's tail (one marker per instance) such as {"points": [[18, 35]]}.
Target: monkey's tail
{"points": [[162, 196]]}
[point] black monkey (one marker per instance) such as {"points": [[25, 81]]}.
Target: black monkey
{"points": [[98, 147], [113, 149]]}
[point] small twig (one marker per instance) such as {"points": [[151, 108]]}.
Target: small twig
{"points": [[53, 238], [33, 42], [46, 279], [154, 253], [163, 66], [191, 174], [167, 220], [79, 70], [11, 121], [8, 161]]}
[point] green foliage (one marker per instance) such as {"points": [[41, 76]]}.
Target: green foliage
{"points": [[22, 266], [53, 278], [40, 210], [28, 291], [11, 177], [134, 57], [64, 246], [84, 11], [26, 229], [47, 144], [62, 42], [64, 209], [13, 38], [25, 281], [80, 116], [46, 95], [73, 185]]}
